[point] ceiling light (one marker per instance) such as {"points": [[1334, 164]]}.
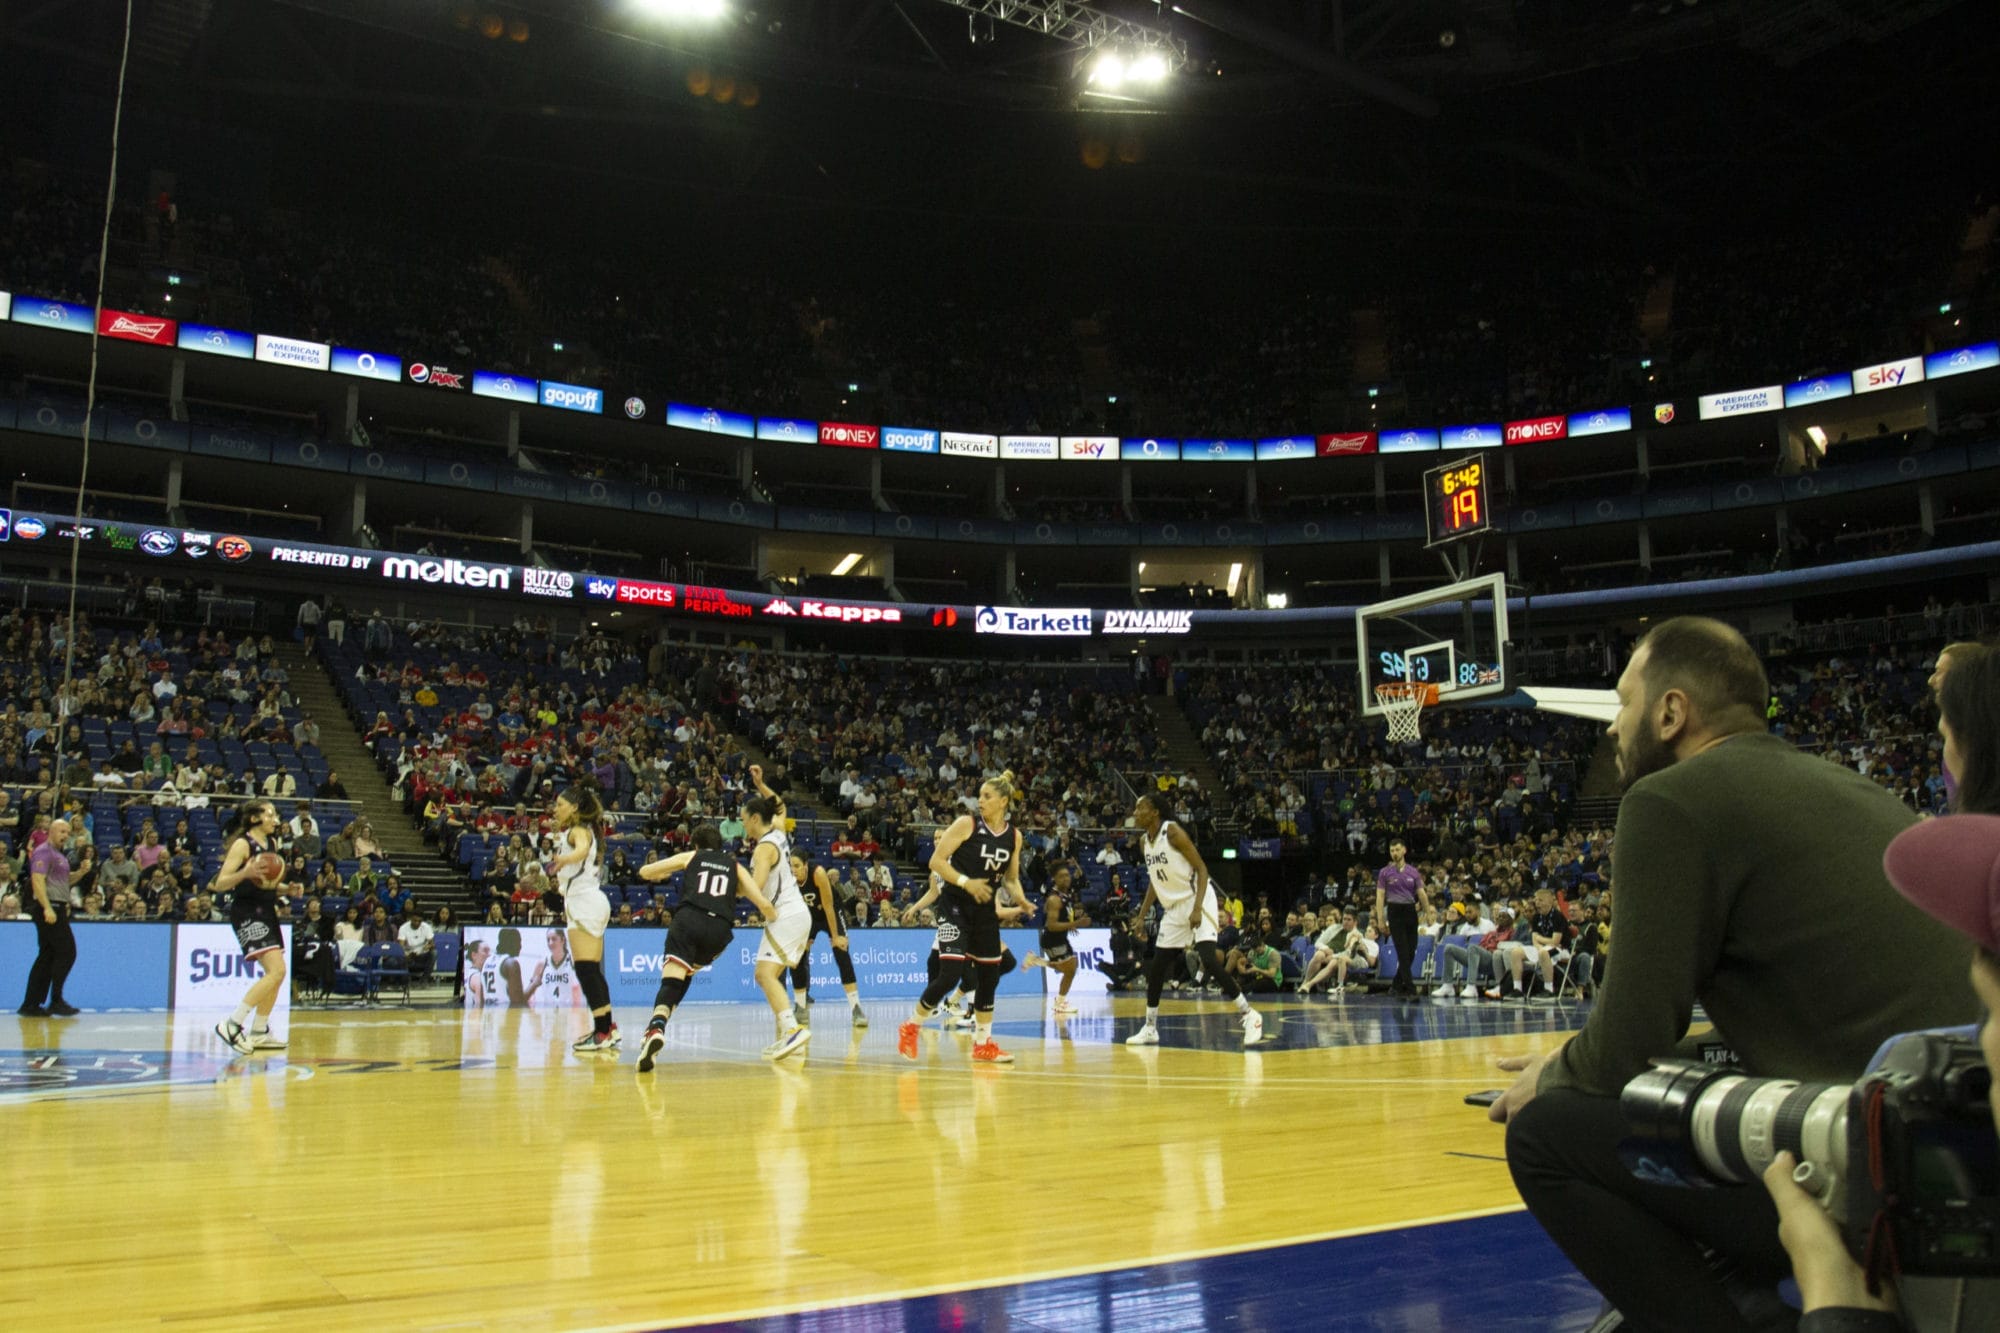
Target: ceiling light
{"points": [[852, 559], [1109, 72]]}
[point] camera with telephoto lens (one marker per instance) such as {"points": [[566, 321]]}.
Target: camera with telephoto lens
{"points": [[1906, 1156]]}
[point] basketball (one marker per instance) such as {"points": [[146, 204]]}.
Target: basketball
{"points": [[267, 868]]}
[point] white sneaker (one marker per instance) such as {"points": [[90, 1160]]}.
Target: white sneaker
{"points": [[799, 1011], [236, 1036], [792, 1041], [1145, 1036], [267, 1041], [1253, 1028], [860, 1017], [1442, 995], [1469, 992], [1063, 1006]]}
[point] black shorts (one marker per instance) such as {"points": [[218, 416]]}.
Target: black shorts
{"points": [[256, 925], [969, 930], [696, 938], [1056, 949], [820, 928]]}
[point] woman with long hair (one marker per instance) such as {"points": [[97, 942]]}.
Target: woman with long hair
{"points": [[253, 914], [578, 867]]}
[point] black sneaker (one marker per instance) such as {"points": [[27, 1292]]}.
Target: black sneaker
{"points": [[32, 1011], [64, 1009]]}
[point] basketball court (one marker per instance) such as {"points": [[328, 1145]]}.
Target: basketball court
{"points": [[429, 1168]]}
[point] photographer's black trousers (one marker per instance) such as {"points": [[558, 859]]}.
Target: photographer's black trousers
{"points": [[1641, 1245]]}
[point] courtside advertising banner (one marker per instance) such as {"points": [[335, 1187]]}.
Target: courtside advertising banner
{"points": [[1407, 441], [1889, 375], [1027, 446], [1286, 446], [119, 965], [293, 352], [791, 429], [527, 967], [131, 328], [1741, 402], [1349, 444], [212, 341], [1942, 365], [1822, 389], [210, 971], [1606, 422], [1090, 448], [1151, 449], [715, 421], [909, 440], [965, 444], [367, 365], [46, 314]]}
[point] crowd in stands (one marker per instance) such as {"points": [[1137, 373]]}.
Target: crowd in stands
{"points": [[1455, 342]]}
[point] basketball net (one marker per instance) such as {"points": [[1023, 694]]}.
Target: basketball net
{"points": [[1403, 707]]}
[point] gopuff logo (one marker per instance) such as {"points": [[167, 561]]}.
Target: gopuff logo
{"points": [[635, 408], [158, 541], [604, 588], [571, 397], [29, 528]]}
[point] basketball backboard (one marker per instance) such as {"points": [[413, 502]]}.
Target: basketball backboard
{"points": [[1453, 637]]}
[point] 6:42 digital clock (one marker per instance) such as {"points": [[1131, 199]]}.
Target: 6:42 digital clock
{"points": [[1456, 501]]}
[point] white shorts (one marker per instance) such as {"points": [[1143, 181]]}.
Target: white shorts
{"points": [[784, 940], [588, 910], [1175, 932]]}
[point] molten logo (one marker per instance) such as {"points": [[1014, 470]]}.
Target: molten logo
{"points": [[452, 572]]}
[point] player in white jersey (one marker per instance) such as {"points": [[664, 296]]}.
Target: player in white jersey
{"points": [[578, 865], [1177, 878], [785, 940], [559, 989]]}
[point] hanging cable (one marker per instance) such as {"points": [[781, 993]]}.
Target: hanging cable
{"points": [[64, 700]]}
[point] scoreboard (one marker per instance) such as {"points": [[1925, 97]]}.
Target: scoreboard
{"points": [[1456, 501]]}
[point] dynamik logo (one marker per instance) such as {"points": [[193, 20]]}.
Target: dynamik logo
{"points": [[453, 572], [1148, 622], [547, 583]]}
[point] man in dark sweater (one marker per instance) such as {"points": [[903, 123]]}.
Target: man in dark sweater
{"points": [[1749, 880]]}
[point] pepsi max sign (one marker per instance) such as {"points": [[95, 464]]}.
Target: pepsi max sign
{"points": [[572, 397], [434, 376], [212, 341], [367, 365], [508, 388], [909, 440]]}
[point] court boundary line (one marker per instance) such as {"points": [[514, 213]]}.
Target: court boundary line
{"points": [[781, 1309]]}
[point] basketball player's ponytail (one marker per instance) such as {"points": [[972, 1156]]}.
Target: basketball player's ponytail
{"points": [[239, 823], [1006, 786], [589, 808]]}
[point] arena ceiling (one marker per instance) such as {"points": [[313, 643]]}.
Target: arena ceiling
{"points": [[1423, 117]]}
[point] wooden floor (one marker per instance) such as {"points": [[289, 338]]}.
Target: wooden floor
{"points": [[429, 1169]]}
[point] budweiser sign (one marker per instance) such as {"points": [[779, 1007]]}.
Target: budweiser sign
{"points": [[137, 328], [1359, 442]]}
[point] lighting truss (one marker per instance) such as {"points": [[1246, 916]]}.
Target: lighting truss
{"points": [[1081, 26]]}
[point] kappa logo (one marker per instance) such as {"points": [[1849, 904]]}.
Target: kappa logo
{"points": [[778, 606]]}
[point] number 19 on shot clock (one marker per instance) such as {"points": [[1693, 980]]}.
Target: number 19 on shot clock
{"points": [[1455, 501]]}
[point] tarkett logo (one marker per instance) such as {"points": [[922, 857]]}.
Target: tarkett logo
{"points": [[1067, 623], [452, 572]]}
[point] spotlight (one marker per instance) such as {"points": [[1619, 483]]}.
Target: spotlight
{"points": [[1150, 68], [1109, 71], [682, 9]]}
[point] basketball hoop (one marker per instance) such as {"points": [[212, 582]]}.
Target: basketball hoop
{"points": [[1403, 704]]}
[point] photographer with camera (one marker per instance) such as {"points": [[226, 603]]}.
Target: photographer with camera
{"points": [[1951, 869], [1724, 834]]}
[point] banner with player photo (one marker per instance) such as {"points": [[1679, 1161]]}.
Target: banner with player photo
{"points": [[517, 967]]}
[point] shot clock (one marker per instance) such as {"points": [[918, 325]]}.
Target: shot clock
{"points": [[1456, 501]]}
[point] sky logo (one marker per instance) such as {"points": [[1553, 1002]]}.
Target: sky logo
{"points": [[606, 589]]}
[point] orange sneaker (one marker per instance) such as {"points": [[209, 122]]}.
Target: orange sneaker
{"points": [[906, 1041], [989, 1053]]}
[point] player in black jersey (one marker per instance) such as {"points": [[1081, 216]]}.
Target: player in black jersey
{"points": [[253, 914], [702, 926], [979, 860], [1059, 918], [816, 887]]}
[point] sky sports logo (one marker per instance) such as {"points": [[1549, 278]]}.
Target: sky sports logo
{"points": [[572, 397]]}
